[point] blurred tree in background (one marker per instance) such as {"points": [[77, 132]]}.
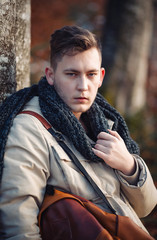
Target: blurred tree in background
{"points": [[126, 49]]}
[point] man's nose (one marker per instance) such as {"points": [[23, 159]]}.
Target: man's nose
{"points": [[82, 83]]}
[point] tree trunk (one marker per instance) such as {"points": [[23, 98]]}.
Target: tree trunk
{"points": [[126, 47], [14, 46]]}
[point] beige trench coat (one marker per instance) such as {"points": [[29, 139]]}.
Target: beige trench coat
{"points": [[33, 158]]}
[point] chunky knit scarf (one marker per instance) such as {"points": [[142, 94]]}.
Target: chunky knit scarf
{"points": [[62, 119]]}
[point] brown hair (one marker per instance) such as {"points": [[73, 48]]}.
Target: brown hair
{"points": [[70, 40]]}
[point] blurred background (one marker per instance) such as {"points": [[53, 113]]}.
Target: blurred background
{"points": [[128, 32]]}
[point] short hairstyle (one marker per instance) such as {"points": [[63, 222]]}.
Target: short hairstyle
{"points": [[70, 40]]}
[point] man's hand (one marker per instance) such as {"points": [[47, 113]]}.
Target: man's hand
{"points": [[111, 148]]}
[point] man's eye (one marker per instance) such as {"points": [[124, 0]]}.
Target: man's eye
{"points": [[71, 74], [92, 74]]}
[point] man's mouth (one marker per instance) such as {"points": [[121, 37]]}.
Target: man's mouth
{"points": [[81, 99]]}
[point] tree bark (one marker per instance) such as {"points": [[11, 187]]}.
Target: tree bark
{"points": [[14, 46], [126, 48]]}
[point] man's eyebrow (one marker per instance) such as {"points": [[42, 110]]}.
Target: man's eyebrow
{"points": [[74, 70], [70, 70], [94, 70]]}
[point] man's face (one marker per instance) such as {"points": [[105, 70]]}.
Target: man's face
{"points": [[77, 79]]}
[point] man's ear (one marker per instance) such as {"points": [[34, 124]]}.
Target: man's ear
{"points": [[102, 74], [49, 75]]}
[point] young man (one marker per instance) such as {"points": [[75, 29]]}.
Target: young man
{"points": [[97, 134]]}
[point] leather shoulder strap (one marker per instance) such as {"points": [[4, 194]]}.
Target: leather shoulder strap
{"points": [[39, 117], [46, 124]]}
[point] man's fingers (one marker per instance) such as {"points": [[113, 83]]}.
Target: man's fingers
{"points": [[103, 142], [115, 134], [102, 148], [107, 136], [99, 154], [104, 136]]}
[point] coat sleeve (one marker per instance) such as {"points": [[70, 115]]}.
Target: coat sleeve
{"points": [[25, 173], [139, 189]]}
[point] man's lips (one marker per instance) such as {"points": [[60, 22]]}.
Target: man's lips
{"points": [[81, 99]]}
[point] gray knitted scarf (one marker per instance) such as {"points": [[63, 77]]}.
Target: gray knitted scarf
{"points": [[62, 119]]}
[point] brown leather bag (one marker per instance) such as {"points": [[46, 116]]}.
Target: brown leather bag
{"points": [[65, 216]]}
